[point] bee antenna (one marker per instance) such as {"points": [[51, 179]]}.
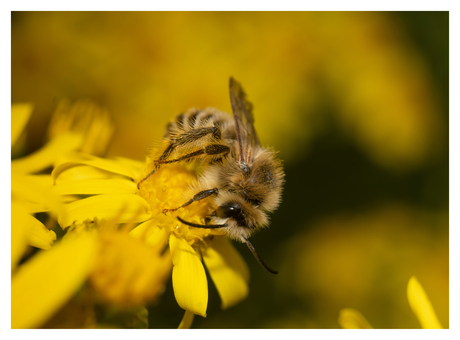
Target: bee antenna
{"points": [[244, 239], [253, 251], [204, 226]]}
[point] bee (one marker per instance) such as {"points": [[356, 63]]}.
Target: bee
{"points": [[244, 179]]}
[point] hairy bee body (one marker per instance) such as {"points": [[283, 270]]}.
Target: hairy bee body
{"points": [[242, 179], [195, 129]]}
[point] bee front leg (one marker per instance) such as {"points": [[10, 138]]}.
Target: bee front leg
{"points": [[198, 197], [211, 150], [187, 138], [179, 141]]}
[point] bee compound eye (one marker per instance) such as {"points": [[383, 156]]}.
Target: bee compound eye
{"points": [[228, 211]]}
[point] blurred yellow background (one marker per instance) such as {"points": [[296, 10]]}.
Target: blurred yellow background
{"points": [[356, 103]]}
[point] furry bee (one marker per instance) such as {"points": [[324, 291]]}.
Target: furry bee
{"points": [[244, 179]]}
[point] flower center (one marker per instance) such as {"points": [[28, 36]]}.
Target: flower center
{"points": [[169, 188]]}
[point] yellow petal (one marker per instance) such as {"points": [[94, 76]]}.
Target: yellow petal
{"points": [[18, 234], [228, 271], [189, 278], [133, 208], [152, 235], [20, 114], [98, 137], [120, 168], [33, 208], [187, 320], [29, 189], [86, 118], [44, 180], [37, 235], [421, 305], [82, 172], [46, 156], [46, 184], [131, 163], [48, 280], [96, 186], [352, 319]]}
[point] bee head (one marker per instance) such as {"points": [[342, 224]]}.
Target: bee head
{"points": [[232, 210], [239, 224], [241, 216]]}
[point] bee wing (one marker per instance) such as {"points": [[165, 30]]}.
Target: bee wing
{"points": [[244, 122]]}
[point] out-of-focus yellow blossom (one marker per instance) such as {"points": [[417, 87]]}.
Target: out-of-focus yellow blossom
{"points": [[111, 185], [31, 194], [45, 282], [360, 66], [82, 126], [382, 89], [350, 318], [369, 255], [124, 271], [129, 269], [20, 114], [418, 301], [40, 160], [86, 118]]}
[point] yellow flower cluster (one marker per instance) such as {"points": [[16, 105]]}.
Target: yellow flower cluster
{"points": [[116, 236], [99, 178]]}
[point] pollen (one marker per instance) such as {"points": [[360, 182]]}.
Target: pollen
{"points": [[169, 188]]}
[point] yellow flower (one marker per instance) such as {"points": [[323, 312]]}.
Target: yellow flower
{"points": [[129, 270], [48, 279], [31, 194], [78, 127], [418, 301], [109, 187], [86, 118], [124, 271], [42, 284], [125, 266]]}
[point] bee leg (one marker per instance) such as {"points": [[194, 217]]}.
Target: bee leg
{"points": [[143, 179], [187, 138], [182, 139], [165, 155], [212, 149], [198, 197]]}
